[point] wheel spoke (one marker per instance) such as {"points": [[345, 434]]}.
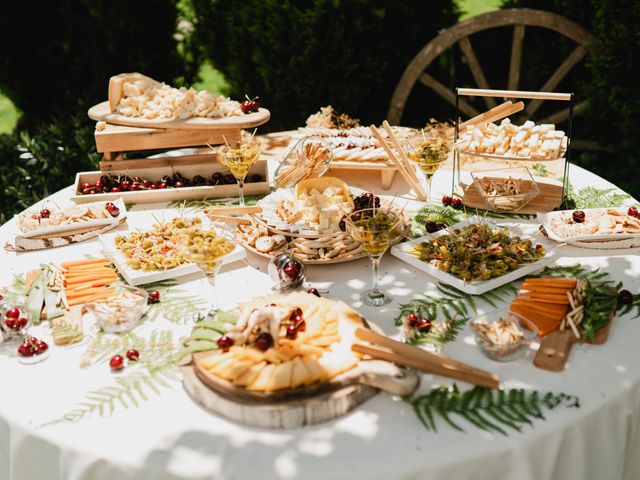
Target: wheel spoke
{"points": [[574, 57], [516, 57], [430, 82], [476, 69], [563, 115]]}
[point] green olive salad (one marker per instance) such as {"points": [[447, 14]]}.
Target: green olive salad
{"points": [[478, 252]]}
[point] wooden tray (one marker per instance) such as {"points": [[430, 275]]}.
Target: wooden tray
{"points": [[549, 198], [102, 112], [296, 408], [206, 167]]}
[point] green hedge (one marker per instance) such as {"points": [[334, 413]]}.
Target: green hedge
{"points": [[57, 57], [35, 165], [300, 55]]}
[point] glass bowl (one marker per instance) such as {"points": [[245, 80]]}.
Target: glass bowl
{"points": [[122, 311], [310, 157], [505, 351], [505, 189]]}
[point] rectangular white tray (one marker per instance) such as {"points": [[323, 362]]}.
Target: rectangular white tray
{"points": [[59, 229], [477, 287], [140, 277], [546, 218]]}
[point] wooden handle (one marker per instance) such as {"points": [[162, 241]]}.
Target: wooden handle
{"points": [[493, 115], [410, 356], [402, 156], [554, 351], [387, 377], [482, 92], [230, 220], [233, 210], [483, 116]]}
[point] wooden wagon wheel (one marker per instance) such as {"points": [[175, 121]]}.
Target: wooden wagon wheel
{"points": [[519, 18]]}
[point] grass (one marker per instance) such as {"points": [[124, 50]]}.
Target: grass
{"points": [[470, 8], [8, 115], [211, 80]]}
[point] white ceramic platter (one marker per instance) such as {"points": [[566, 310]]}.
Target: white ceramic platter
{"points": [[89, 224], [477, 287]]}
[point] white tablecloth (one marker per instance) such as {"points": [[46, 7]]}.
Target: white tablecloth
{"points": [[169, 436]]}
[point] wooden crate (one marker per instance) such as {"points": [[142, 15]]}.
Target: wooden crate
{"points": [[166, 166]]}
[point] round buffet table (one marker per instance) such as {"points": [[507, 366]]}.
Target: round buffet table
{"points": [[169, 436]]}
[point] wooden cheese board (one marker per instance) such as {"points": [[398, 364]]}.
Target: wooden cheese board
{"points": [[296, 408], [102, 112]]}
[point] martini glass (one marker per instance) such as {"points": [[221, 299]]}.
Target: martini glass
{"points": [[375, 229], [205, 251], [428, 153], [239, 161]]}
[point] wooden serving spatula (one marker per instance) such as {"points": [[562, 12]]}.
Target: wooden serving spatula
{"points": [[555, 348]]}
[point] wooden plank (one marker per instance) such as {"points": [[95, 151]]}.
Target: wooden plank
{"points": [[472, 92], [430, 82], [118, 138], [476, 69], [516, 57], [578, 54], [158, 162]]}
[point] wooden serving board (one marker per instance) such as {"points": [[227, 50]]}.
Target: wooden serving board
{"points": [[41, 242], [303, 406], [549, 198], [102, 112], [555, 348]]}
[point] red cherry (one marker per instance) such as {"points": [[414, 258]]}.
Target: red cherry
{"points": [[292, 269], [26, 349], [578, 216], [116, 362], [302, 326], [224, 343], [296, 312], [412, 320], [162, 185], [446, 200], [292, 332], [125, 184], [115, 189], [91, 192], [40, 346], [133, 355], [314, 291], [153, 186], [12, 313], [456, 203], [85, 186], [146, 183], [424, 325], [246, 106], [98, 185], [254, 106], [135, 187], [633, 211], [12, 324], [45, 213], [22, 322], [264, 341], [625, 297], [154, 296]]}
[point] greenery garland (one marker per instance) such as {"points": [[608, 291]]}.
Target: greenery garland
{"points": [[486, 409]]}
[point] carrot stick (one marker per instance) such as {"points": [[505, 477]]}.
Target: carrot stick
{"points": [[551, 290], [551, 282], [91, 278], [83, 293], [88, 298], [92, 272], [547, 307], [97, 283], [90, 261]]}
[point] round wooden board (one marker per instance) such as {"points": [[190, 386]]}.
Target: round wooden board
{"points": [[102, 112], [283, 415]]}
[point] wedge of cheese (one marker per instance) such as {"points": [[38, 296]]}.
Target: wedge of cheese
{"points": [[116, 86]]}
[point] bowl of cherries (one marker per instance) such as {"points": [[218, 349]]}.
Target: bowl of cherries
{"points": [[14, 321]]}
